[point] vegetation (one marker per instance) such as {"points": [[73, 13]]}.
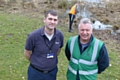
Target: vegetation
{"points": [[13, 65]]}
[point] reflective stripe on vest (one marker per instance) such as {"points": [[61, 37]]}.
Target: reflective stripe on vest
{"points": [[72, 44], [83, 61], [92, 62], [82, 72], [88, 72], [72, 70], [95, 49]]}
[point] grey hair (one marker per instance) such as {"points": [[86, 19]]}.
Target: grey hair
{"points": [[85, 21]]}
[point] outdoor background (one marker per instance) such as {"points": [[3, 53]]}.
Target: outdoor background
{"points": [[19, 17]]}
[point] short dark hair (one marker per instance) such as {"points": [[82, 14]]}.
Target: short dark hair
{"points": [[52, 12]]}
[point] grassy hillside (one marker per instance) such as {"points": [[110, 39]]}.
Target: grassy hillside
{"points": [[13, 65]]}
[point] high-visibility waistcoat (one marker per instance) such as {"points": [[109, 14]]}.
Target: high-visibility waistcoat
{"points": [[73, 10], [85, 63]]}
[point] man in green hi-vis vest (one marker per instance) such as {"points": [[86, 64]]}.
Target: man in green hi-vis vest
{"points": [[87, 55]]}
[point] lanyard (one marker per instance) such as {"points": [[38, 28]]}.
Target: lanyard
{"points": [[49, 47]]}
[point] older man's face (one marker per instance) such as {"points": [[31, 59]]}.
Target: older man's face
{"points": [[85, 31]]}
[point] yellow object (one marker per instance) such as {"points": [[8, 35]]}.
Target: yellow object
{"points": [[73, 10]]}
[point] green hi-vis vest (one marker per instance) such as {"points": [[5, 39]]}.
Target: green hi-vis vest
{"points": [[86, 63]]}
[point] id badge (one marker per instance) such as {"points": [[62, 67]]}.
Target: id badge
{"points": [[50, 55]]}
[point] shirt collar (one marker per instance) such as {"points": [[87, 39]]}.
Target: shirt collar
{"points": [[43, 34]]}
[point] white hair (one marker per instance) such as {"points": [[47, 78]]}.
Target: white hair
{"points": [[85, 21]]}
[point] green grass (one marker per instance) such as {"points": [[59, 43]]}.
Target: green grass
{"points": [[13, 65]]}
